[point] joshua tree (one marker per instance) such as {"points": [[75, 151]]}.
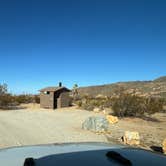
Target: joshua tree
{"points": [[75, 91]]}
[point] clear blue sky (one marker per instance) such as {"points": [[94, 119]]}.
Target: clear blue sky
{"points": [[87, 42]]}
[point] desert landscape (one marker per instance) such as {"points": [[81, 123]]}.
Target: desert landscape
{"points": [[87, 73], [31, 125], [130, 115]]}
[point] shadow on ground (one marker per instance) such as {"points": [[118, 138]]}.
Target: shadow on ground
{"points": [[150, 119]]}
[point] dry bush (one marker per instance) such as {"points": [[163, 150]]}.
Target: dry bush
{"points": [[24, 98], [89, 103], [128, 105], [37, 99], [154, 105], [6, 101]]}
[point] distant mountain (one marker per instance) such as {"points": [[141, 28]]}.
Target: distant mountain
{"points": [[161, 79], [156, 88]]}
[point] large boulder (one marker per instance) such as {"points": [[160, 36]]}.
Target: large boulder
{"points": [[96, 124], [131, 138], [112, 119], [164, 146]]}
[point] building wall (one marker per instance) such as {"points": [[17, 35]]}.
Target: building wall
{"points": [[47, 100], [55, 100], [63, 100]]}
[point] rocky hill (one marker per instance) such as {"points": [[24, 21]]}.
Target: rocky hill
{"points": [[155, 88]]}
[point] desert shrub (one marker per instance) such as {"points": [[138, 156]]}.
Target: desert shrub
{"points": [[78, 103], [86, 103], [126, 105], [24, 98], [164, 100], [37, 99], [88, 107], [89, 103], [131, 105], [154, 105], [107, 102], [6, 99]]}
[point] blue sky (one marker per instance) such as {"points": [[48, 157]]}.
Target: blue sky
{"points": [[87, 42]]}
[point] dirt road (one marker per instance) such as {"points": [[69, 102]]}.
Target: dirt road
{"points": [[27, 127], [33, 125]]}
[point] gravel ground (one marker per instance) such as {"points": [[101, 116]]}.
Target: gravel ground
{"points": [[29, 127], [32, 125]]}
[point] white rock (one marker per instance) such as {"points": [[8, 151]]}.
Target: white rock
{"points": [[96, 110]]}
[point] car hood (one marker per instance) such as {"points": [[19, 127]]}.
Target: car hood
{"points": [[74, 153]]}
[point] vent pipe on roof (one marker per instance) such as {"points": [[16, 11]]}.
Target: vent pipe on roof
{"points": [[60, 84]]}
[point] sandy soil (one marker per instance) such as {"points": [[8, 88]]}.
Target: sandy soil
{"points": [[39, 126], [152, 132], [32, 125]]}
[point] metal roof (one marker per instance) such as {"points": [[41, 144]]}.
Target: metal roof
{"points": [[53, 89]]}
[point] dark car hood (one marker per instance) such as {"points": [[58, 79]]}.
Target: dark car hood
{"points": [[77, 154]]}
